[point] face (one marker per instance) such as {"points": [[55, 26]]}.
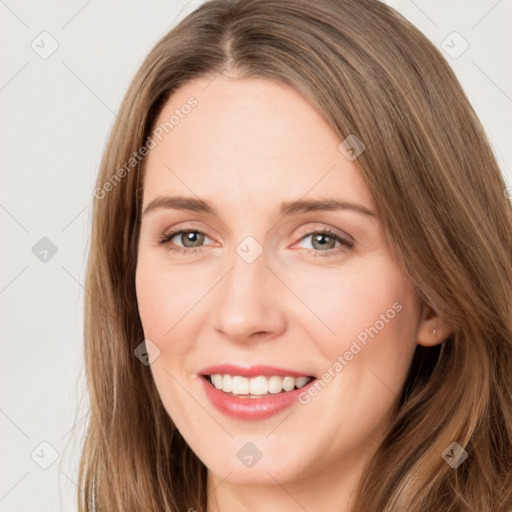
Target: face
{"points": [[249, 282]]}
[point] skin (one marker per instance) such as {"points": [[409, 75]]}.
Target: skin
{"points": [[247, 146]]}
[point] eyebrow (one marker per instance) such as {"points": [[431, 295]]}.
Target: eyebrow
{"points": [[286, 208]]}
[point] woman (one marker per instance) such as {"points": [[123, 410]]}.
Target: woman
{"points": [[230, 367]]}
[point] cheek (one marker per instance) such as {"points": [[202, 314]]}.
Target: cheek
{"points": [[362, 303], [372, 316], [170, 301], [164, 295], [154, 302], [163, 301]]}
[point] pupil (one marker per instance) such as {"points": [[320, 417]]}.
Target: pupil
{"points": [[189, 237], [319, 237]]}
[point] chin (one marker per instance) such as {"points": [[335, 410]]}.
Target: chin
{"points": [[257, 475]]}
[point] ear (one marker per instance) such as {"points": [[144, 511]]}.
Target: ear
{"points": [[431, 330]]}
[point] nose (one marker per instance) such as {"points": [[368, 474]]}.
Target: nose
{"points": [[250, 302]]}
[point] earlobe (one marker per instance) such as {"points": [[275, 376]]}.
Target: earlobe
{"points": [[431, 330]]}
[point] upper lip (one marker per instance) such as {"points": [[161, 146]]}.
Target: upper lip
{"points": [[252, 371]]}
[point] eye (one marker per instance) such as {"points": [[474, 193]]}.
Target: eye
{"points": [[325, 239], [190, 238]]}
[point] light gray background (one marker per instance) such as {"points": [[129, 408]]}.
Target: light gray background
{"points": [[56, 113]]}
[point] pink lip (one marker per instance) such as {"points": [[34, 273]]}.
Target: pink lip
{"points": [[251, 408], [253, 371]]}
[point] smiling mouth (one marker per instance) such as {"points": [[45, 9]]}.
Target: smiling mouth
{"points": [[255, 387]]}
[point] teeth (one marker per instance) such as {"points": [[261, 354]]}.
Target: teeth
{"points": [[275, 384], [226, 383], [240, 385], [260, 385], [288, 383], [216, 380], [301, 381]]}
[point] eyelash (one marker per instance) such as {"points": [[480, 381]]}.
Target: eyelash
{"points": [[345, 243]]}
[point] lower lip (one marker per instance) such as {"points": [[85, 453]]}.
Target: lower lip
{"points": [[252, 408]]}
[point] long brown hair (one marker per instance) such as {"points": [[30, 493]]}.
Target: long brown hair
{"points": [[442, 201]]}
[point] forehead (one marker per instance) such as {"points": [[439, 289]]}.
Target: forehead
{"points": [[249, 138]]}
